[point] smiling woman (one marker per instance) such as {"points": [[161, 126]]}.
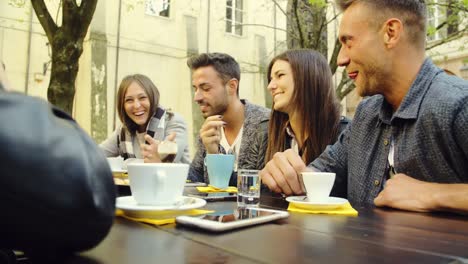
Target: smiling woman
{"points": [[144, 123], [306, 113]]}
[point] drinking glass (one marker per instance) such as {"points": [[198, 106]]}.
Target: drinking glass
{"points": [[248, 188]]}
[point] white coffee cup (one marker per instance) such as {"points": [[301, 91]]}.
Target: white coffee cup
{"points": [[131, 160], [116, 163], [167, 151], [157, 183], [318, 185]]}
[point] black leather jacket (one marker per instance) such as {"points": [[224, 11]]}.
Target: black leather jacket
{"points": [[56, 190]]}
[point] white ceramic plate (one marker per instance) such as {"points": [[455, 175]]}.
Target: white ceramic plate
{"points": [[131, 208], [195, 184], [328, 204]]}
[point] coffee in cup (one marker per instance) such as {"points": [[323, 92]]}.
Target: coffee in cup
{"points": [[157, 183]]}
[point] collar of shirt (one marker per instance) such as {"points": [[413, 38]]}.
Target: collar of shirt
{"points": [[411, 104], [293, 141], [234, 147]]}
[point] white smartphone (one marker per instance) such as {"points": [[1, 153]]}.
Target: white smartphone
{"points": [[231, 219], [215, 196]]}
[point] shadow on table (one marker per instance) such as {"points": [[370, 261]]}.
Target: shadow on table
{"points": [[81, 260], [73, 259], [123, 190], [269, 199]]}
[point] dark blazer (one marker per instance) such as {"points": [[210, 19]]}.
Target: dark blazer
{"points": [[256, 122], [57, 193]]}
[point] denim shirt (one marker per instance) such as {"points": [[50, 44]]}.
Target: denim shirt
{"points": [[429, 131]]}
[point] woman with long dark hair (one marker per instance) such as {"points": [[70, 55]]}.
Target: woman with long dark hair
{"points": [[305, 113]]}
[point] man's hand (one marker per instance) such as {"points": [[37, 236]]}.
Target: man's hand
{"points": [[406, 193], [282, 173], [210, 133]]}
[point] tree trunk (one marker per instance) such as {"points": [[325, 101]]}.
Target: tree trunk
{"points": [[67, 46], [307, 28], [306, 25], [66, 51]]}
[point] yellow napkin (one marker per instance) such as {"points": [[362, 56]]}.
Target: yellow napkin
{"points": [[346, 209], [211, 188], [118, 181], [121, 178], [122, 175], [164, 218]]}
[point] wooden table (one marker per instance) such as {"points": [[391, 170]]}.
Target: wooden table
{"points": [[375, 236]]}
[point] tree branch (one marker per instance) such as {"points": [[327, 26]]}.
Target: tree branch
{"points": [[266, 26], [86, 11], [348, 89], [320, 30], [43, 15], [344, 81], [299, 29], [279, 7], [441, 25], [69, 12], [457, 6], [449, 38], [333, 59], [332, 19]]}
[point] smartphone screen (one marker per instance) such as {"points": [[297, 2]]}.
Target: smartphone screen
{"points": [[236, 215]]}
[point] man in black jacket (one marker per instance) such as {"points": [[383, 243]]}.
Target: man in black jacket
{"points": [[57, 194]]}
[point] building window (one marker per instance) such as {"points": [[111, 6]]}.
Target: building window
{"points": [[158, 7], [234, 16], [437, 17]]}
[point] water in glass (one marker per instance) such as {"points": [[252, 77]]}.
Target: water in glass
{"points": [[248, 188]]}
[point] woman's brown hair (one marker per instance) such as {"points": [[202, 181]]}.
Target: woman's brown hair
{"points": [[150, 89], [314, 102]]}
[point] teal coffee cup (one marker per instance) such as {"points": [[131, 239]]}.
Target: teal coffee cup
{"points": [[219, 168]]}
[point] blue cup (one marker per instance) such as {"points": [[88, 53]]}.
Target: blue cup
{"points": [[220, 167]]}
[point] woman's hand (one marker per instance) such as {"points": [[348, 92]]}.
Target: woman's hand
{"points": [[150, 152]]}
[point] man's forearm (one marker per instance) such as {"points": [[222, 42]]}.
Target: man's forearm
{"points": [[450, 197]]}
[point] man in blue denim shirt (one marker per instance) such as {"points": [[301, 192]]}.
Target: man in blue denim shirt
{"points": [[407, 147]]}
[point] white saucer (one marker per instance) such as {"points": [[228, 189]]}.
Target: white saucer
{"points": [[327, 204], [131, 208]]}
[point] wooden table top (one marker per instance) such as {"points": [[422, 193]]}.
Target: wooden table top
{"points": [[376, 235]]}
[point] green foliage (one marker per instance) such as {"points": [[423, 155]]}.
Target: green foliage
{"points": [[431, 30], [320, 3]]}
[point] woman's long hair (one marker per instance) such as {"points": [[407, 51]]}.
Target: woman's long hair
{"points": [[150, 89], [314, 104]]}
